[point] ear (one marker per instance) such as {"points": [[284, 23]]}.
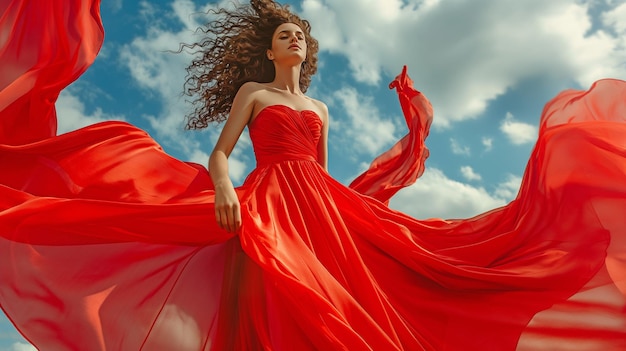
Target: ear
{"points": [[269, 54]]}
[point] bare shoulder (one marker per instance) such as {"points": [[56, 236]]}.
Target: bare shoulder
{"points": [[244, 103], [247, 96], [250, 88]]}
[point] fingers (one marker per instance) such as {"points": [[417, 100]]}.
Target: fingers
{"points": [[236, 218], [228, 217], [227, 208]]}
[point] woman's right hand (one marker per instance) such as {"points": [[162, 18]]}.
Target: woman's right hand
{"points": [[227, 207]]}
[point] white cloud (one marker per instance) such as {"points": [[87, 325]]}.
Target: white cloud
{"points": [[509, 188], [487, 143], [459, 149], [462, 54], [436, 196], [20, 346], [185, 11], [72, 114], [115, 5], [469, 174], [365, 131], [147, 10], [615, 18], [518, 132]]}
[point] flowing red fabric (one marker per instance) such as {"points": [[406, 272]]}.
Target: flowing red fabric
{"points": [[404, 162], [108, 243]]}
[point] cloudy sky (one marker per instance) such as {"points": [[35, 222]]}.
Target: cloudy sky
{"points": [[488, 67]]}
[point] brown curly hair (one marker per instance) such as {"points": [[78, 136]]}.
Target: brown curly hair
{"points": [[233, 52]]}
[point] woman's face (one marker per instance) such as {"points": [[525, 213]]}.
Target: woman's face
{"points": [[288, 44]]}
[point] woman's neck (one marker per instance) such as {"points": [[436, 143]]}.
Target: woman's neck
{"points": [[288, 79]]}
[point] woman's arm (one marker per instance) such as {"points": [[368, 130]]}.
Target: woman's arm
{"points": [[227, 208]]}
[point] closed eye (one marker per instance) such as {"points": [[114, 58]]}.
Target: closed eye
{"points": [[285, 35]]}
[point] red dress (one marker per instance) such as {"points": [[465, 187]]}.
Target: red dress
{"points": [[108, 243]]}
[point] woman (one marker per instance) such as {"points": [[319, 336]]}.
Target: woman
{"points": [[272, 57], [113, 245]]}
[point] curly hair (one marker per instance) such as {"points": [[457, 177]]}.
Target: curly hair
{"points": [[233, 52]]}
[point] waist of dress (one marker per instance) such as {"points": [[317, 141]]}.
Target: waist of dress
{"points": [[277, 158]]}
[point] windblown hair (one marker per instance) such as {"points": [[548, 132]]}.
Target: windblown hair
{"points": [[234, 52]]}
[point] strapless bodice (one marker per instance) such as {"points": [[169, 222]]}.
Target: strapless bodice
{"points": [[280, 133]]}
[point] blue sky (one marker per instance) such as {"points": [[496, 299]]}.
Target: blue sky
{"points": [[488, 67]]}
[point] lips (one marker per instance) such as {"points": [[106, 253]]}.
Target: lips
{"points": [[294, 46]]}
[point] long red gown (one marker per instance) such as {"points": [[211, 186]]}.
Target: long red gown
{"points": [[108, 243]]}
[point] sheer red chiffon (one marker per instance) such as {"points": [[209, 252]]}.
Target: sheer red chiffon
{"points": [[108, 243]]}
